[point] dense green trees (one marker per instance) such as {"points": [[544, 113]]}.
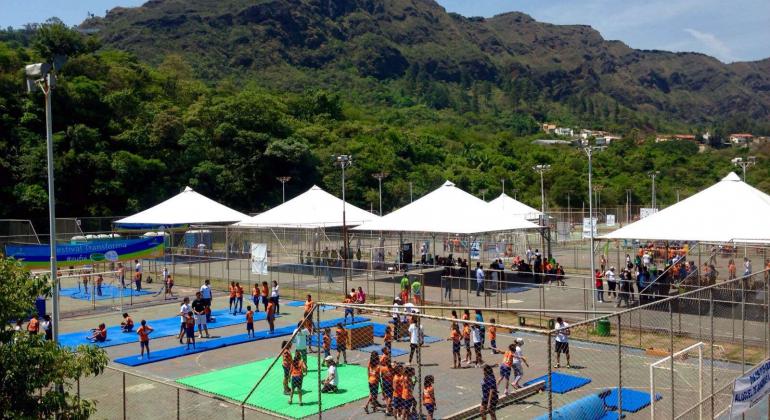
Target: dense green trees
{"points": [[128, 135]]}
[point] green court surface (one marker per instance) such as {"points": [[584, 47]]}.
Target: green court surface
{"points": [[236, 382]]}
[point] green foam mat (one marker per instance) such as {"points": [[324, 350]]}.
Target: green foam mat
{"points": [[236, 382]]}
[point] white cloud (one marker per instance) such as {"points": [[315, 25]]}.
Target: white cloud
{"points": [[714, 45]]}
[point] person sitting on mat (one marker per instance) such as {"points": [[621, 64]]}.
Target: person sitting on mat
{"points": [[128, 324], [330, 383], [99, 335]]}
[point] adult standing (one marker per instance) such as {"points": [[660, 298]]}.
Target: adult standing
{"points": [[199, 309], [746, 267], [275, 295], [301, 335], [482, 329], [395, 314], [417, 291], [488, 394], [122, 275], [138, 275], [206, 296], [562, 342], [415, 337], [611, 283], [405, 288], [184, 309], [479, 278]]}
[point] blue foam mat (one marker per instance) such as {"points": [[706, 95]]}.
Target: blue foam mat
{"points": [[611, 415], [108, 292], [203, 345], [633, 400], [428, 339], [164, 327], [562, 383], [516, 289], [294, 303], [394, 352]]}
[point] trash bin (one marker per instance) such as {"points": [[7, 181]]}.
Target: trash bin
{"points": [[40, 306], [603, 327], [551, 324], [522, 321]]}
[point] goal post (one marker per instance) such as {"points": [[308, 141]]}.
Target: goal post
{"points": [[681, 355]]}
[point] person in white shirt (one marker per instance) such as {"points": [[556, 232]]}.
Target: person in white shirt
{"points": [[300, 340], [518, 359], [746, 267], [207, 297], [395, 314], [415, 337], [646, 259], [611, 282], [330, 383], [184, 309], [562, 341], [479, 278], [275, 297], [476, 341]]}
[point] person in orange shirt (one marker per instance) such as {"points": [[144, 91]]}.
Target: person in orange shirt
{"points": [[398, 384], [386, 377], [265, 291], [342, 339], [309, 304], [286, 363], [144, 338], [506, 366], [408, 402], [99, 335], [128, 324], [374, 381], [232, 297], [249, 322], [270, 316], [388, 339], [428, 396], [255, 297], [33, 327], [455, 337], [493, 337], [99, 281], [467, 340], [189, 329], [239, 297], [297, 370], [327, 343]]}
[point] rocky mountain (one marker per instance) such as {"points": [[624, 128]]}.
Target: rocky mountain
{"points": [[395, 39]]}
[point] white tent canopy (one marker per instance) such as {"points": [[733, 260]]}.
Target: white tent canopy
{"points": [[312, 209], [185, 208], [729, 210], [510, 205], [448, 209]]}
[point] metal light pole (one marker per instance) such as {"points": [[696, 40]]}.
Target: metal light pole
{"points": [[344, 161], [653, 175], [677, 195], [750, 161], [380, 176], [542, 169], [515, 190], [628, 206], [589, 151], [283, 180], [569, 208], [40, 75], [483, 191], [503, 182], [411, 197]]}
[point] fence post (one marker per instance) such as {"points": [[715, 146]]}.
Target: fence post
{"points": [[711, 345], [318, 359], [124, 395], [78, 382], [743, 325], [550, 367], [178, 408], [419, 367], [671, 352], [620, 371]]}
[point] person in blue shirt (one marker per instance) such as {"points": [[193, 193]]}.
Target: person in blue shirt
{"points": [[480, 318], [488, 394]]}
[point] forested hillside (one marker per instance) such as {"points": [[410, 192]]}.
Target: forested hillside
{"points": [[131, 131]]}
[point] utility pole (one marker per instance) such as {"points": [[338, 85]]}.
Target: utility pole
{"points": [[380, 176], [589, 152], [483, 191], [542, 169], [283, 180], [344, 161], [503, 181], [653, 175]]}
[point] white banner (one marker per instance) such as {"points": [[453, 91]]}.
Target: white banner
{"points": [[587, 227], [259, 259], [750, 389], [610, 220], [646, 211]]}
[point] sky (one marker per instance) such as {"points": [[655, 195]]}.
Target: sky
{"points": [[730, 30]]}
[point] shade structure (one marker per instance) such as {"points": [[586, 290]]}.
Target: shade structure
{"points": [[185, 208], [510, 205], [448, 209], [728, 211], [315, 208]]}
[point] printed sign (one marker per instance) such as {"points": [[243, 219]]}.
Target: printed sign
{"points": [[646, 211], [587, 227], [610, 220], [750, 389], [259, 259], [39, 256]]}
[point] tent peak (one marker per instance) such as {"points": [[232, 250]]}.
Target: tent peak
{"points": [[448, 183], [732, 176], [187, 189]]}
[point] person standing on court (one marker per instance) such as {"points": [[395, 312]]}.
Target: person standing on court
{"points": [[562, 342], [138, 275], [301, 335], [479, 278], [206, 297], [199, 308], [184, 309]]}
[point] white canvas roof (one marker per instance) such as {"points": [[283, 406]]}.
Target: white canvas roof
{"points": [[185, 208], [311, 209], [729, 210], [510, 205], [448, 209]]}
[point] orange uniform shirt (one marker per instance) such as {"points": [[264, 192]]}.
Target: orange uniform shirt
{"points": [[455, 336], [232, 291], [286, 358], [427, 395], [406, 388], [250, 317], [239, 291], [386, 373], [374, 376], [144, 334], [297, 368], [265, 291], [129, 322], [342, 336], [492, 333], [388, 336], [270, 308], [308, 306], [466, 331], [508, 358], [254, 291], [397, 384], [327, 342], [33, 326]]}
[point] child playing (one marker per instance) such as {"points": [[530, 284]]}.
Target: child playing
{"points": [[128, 324], [455, 337], [386, 376], [493, 337], [270, 309], [99, 281], [144, 338], [327, 342], [342, 337], [239, 297], [428, 397], [476, 339], [408, 402], [374, 380], [518, 358], [232, 297], [249, 322], [388, 340], [99, 335], [467, 340], [286, 362], [349, 311], [298, 370], [265, 291], [506, 366], [398, 384], [189, 329], [255, 297]]}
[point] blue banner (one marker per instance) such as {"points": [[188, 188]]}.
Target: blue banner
{"points": [[107, 250]]}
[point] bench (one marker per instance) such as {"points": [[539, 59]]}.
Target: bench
{"points": [[515, 396], [536, 321]]}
